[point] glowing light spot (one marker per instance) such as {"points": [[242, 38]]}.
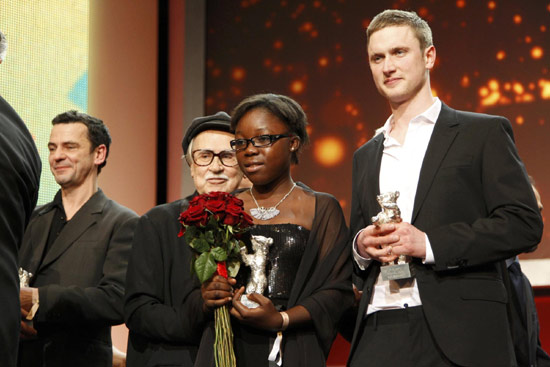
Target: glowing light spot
{"points": [[209, 101], [544, 86], [517, 19], [339, 59], [277, 68], [297, 86], [306, 27], [490, 94], [268, 24], [543, 28], [504, 100], [537, 52], [423, 12], [267, 62], [359, 126], [236, 91], [501, 55], [238, 74], [460, 4], [216, 72], [323, 61], [507, 86], [491, 5], [520, 120], [531, 86], [314, 34], [518, 88], [528, 39], [465, 81], [329, 151], [434, 92], [490, 19], [316, 4], [278, 45]]}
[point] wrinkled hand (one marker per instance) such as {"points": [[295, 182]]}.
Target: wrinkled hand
{"points": [[217, 292], [27, 331], [264, 317], [373, 242]]}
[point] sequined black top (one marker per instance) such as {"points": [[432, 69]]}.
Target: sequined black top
{"points": [[283, 259]]}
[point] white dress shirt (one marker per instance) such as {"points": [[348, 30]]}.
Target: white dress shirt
{"points": [[400, 171]]}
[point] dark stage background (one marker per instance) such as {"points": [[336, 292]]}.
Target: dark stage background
{"points": [[492, 57]]}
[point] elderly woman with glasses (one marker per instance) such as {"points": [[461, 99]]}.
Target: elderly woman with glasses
{"points": [[308, 265]]}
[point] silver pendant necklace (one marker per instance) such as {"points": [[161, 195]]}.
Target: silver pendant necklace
{"points": [[262, 213]]}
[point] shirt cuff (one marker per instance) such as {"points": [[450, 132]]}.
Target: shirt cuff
{"points": [[359, 260], [429, 260]]}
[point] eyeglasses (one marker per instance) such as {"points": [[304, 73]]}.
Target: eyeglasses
{"points": [[204, 157], [259, 141]]}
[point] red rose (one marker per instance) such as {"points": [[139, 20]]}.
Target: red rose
{"points": [[194, 215], [218, 195], [231, 220], [236, 201], [199, 200], [247, 220], [215, 206]]}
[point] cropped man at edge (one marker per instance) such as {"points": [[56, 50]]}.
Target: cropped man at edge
{"points": [[20, 168]]}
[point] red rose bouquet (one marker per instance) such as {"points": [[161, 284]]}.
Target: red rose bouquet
{"points": [[212, 226]]}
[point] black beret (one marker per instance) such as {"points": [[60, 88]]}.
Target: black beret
{"points": [[221, 121]]}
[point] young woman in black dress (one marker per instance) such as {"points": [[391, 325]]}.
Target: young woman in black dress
{"points": [[308, 265]]}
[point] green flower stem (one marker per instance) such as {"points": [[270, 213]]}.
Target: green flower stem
{"points": [[224, 354]]}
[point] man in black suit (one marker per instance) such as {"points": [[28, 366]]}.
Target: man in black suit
{"points": [[77, 249], [466, 205], [164, 309], [19, 179]]}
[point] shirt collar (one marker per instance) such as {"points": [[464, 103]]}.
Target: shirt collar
{"points": [[430, 115]]}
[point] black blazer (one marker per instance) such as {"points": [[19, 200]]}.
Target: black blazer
{"points": [[19, 178], [163, 303], [475, 203], [80, 283]]}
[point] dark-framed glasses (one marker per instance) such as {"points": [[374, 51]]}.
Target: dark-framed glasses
{"points": [[259, 141], [203, 157]]}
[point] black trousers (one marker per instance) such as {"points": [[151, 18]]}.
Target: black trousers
{"points": [[397, 338]]}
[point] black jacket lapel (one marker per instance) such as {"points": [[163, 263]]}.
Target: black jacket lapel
{"points": [[31, 255], [73, 230], [443, 135]]}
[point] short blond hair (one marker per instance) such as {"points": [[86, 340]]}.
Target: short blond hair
{"points": [[392, 17]]}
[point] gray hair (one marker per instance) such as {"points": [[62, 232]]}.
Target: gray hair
{"points": [[3, 46]]}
